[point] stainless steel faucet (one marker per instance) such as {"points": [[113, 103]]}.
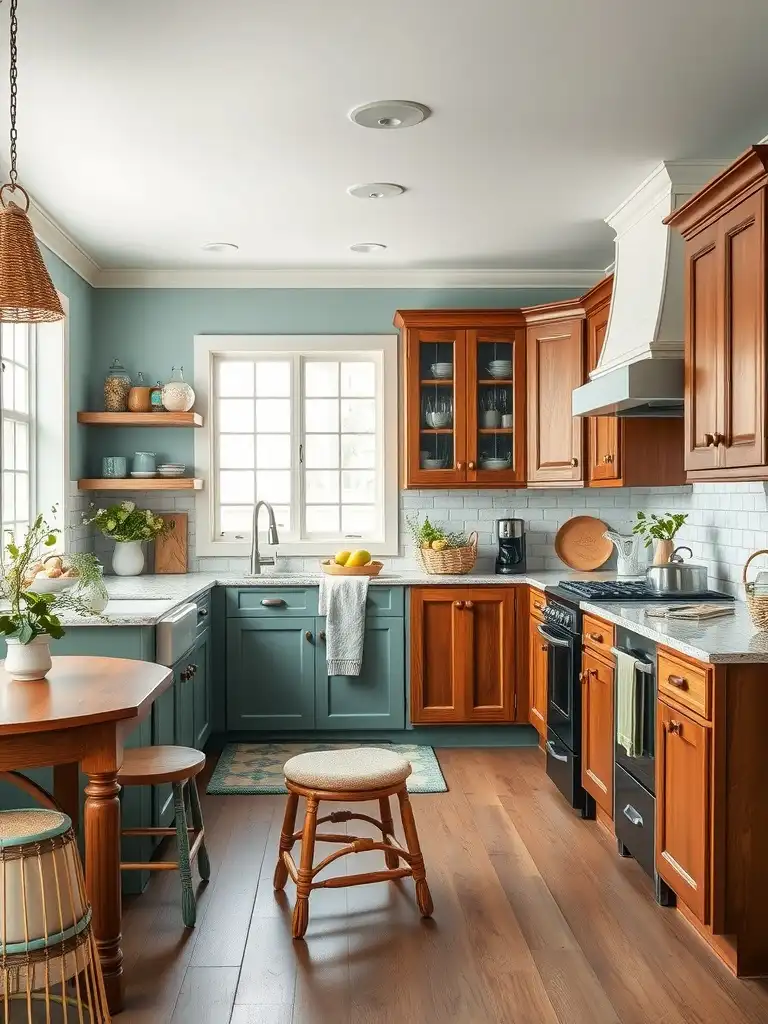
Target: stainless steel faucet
{"points": [[272, 538]]}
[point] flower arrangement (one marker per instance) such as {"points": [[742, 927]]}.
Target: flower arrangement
{"points": [[29, 615], [125, 522]]}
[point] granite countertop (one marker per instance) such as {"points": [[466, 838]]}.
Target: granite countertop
{"points": [[144, 600]]}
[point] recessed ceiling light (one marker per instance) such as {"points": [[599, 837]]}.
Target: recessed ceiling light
{"points": [[367, 247], [376, 190], [386, 115], [220, 247]]}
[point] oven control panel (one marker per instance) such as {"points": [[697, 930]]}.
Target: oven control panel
{"points": [[561, 615]]}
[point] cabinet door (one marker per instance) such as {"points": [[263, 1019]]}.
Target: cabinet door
{"points": [[682, 807], [496, 406], [597, 730], [164, 734], [703, 340], [437, 655], [201, 691], [270, 674], [185, 703], [604, 442], [434, 425], [376, 698], [537, 677], [743, 370], [489, 637], [555, 367]]}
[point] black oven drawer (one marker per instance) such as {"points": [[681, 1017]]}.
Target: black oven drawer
{"points": [[634, 816], [564, 768]]}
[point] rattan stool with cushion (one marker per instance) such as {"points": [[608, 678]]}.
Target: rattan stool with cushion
{"points": [[151, 766], [363, 773]]}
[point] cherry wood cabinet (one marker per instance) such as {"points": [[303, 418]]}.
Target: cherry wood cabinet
{"points": [[555, 366], [597, 729], [537, 677], [462, 657], [464, 398], [724, 227]]}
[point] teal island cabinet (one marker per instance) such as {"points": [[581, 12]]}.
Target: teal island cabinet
{"points": [[277, 677]]}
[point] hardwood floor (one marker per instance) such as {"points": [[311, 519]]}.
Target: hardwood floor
{"points": [[537, 921]]}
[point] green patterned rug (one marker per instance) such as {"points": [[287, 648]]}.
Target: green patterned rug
{"points": [[253, 768]]}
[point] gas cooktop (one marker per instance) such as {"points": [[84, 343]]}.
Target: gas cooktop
{"points": [[628, 590]]}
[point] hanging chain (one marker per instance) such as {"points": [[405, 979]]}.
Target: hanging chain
{"points": [[14, 90]]}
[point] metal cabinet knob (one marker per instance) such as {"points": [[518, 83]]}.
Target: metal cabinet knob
{"points": [[470, 605], [607, 459], [675, 727], [679, 681], [538, 604], [470, 465], [458, 604], [202, 613], [459, 465], [719, 439], [543, 647], [709, 440], [597, 637], [574, 462], [321, 636], [308, 636]]}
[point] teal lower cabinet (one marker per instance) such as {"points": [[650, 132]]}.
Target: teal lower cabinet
{"points": [[270, 673], [201, 691], [164, 735], [376, 698]]}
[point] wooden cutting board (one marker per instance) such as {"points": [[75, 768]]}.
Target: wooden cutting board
{"points": [[581, 545], [171, 547]]}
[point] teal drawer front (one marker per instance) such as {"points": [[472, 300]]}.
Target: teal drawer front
{"points": [[386, 601], [271, 602]]}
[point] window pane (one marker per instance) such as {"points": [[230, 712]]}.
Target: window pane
{"points": [[321, 415], [358, 485], [358, 380], [22, 496], [273, 415], [358, 451], [20, 388], [321, 379], [236, 519], [322, 451], [236, 379], [7, 386], [8, 492], [358, 519], [21, 344], [274, 486], [236, 451], [273, 379], [322, 486], [358, 414], [323, 519], [236, 415], [9, 450], [282, 518], [273, 451], [22, 446], [236, 487], [6, 334]]}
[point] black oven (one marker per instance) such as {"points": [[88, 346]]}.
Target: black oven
{"points": [[641, 764]]}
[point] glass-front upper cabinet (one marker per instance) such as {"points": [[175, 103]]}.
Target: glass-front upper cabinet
{"points": [[463, 415]]}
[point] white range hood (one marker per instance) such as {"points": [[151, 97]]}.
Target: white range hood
{"points": [[640, 370]]}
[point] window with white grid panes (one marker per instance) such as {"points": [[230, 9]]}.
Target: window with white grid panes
{"points": [[17, 424]]}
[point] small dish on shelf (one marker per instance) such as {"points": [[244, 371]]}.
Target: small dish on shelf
{"points": [[443, 371], [439, 420], [501, 371], [140, 475], [433, 463], [495, 463]]}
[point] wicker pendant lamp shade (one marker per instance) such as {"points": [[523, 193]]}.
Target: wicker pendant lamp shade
{"points": [[27, 294]]}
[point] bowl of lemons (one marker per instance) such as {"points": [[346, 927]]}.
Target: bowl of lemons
{"points": [[351, 563]]}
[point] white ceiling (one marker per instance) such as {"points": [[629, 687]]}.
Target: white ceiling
{"points": [[148, 128]]}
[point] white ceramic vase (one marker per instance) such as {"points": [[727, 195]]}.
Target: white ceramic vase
{"points": [[29, 661], [127, 558]]}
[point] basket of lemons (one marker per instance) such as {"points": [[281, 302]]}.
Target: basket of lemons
{"points": [[441, 552], [351, 563]]}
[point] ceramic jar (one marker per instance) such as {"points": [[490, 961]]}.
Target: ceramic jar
{"points": [[28, 661], [178, 396], [662, 551], [144, 462], [127, 558], [138, 396], [117, 385], [114, 467]]}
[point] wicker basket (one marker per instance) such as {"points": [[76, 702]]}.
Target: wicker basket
{"points": [[757, 604], [449, 561]]}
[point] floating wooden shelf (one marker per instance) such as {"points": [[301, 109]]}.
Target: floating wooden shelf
{"points": [[155, 483], [496, 430], [140, 419]]}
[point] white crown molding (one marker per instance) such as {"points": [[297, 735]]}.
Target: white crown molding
{"points": [[372, 277], [59, 242]]}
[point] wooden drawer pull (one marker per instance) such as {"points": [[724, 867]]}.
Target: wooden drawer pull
{"points": [[679, 681], [273, 602], [597, 637], [538, 604]]}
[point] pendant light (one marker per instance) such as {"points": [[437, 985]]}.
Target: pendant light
{"points": [[27, 294]]}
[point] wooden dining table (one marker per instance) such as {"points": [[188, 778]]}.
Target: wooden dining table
{"points": [[80, 715]]}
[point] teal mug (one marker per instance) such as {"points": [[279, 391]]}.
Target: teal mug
{"points": [[114, 467], [144, 462]]}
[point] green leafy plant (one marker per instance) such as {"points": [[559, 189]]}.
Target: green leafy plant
{"points": [[89, 573], [655, 527], [426, 534], [125, 522], [30, 615]]}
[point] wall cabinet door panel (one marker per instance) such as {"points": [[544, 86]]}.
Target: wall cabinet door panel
{"points": [[597, 730]]}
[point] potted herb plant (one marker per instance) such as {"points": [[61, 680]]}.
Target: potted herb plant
{"points": [[659, 529], [29, 623], [129, 527]]}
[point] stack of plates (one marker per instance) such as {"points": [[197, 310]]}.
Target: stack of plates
{"points": [[172, 469], [494, 463], [501, 369], [443, 371]]}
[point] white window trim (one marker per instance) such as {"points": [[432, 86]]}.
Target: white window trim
{"points": [[208, 346], [52, 486]]}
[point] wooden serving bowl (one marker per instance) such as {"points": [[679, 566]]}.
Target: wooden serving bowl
{"points": [[330, 568]]}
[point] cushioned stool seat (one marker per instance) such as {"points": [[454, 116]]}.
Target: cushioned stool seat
{"points": [[357, 769], [352, 775]]}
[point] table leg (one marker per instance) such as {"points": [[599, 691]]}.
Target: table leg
{"points": [[66, 791], [102, 867]]}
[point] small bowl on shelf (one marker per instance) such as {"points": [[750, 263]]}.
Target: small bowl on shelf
{"points": [[443, 371], [439, 420], [434, 463], [495, 463], [500, 371]]}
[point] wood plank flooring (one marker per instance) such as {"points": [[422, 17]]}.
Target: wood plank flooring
{"points": [[537, 921]]}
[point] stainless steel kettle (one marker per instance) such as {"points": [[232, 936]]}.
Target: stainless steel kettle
{"points": [[676, 577]]}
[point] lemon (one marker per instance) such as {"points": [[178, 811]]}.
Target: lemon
{"points": [[439, 545], [341, 557], [361, 557]]}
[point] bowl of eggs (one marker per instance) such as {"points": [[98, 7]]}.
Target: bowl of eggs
{"points": [[51, 575]]}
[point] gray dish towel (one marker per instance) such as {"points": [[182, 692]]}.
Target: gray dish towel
{"points": [[629, 705], [342, 601]]}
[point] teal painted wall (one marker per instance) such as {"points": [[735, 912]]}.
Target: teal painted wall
{"points": [[80, 294], [152, 329]]}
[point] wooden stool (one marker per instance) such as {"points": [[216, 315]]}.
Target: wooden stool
{"points": [[363, 773], [150, 766]]}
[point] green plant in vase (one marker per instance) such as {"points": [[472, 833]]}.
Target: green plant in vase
{"points": [[129, 527], [659, 529]]}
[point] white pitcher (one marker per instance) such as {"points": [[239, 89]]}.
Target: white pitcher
{"points": [[628, 550]]}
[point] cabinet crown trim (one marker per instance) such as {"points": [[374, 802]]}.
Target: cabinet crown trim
{"points": [[745, 174], [458, 318]]}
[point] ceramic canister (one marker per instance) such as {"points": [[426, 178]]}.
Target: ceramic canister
{"points": [[114, 467], [144, 462]]}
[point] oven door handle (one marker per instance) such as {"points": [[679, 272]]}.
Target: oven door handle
{"points": [[556, 641], [551, 750], [632, 815]]}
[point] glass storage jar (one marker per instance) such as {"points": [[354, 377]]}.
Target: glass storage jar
{"points": [[117, 384]]}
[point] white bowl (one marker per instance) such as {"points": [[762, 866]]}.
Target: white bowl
{"points": [[433, 464], [43, 584], [438, 420], [142, 476], [442, 370], [495, 463]]}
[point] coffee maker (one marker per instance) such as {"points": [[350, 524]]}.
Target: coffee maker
{"points": [[511, 556]]}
